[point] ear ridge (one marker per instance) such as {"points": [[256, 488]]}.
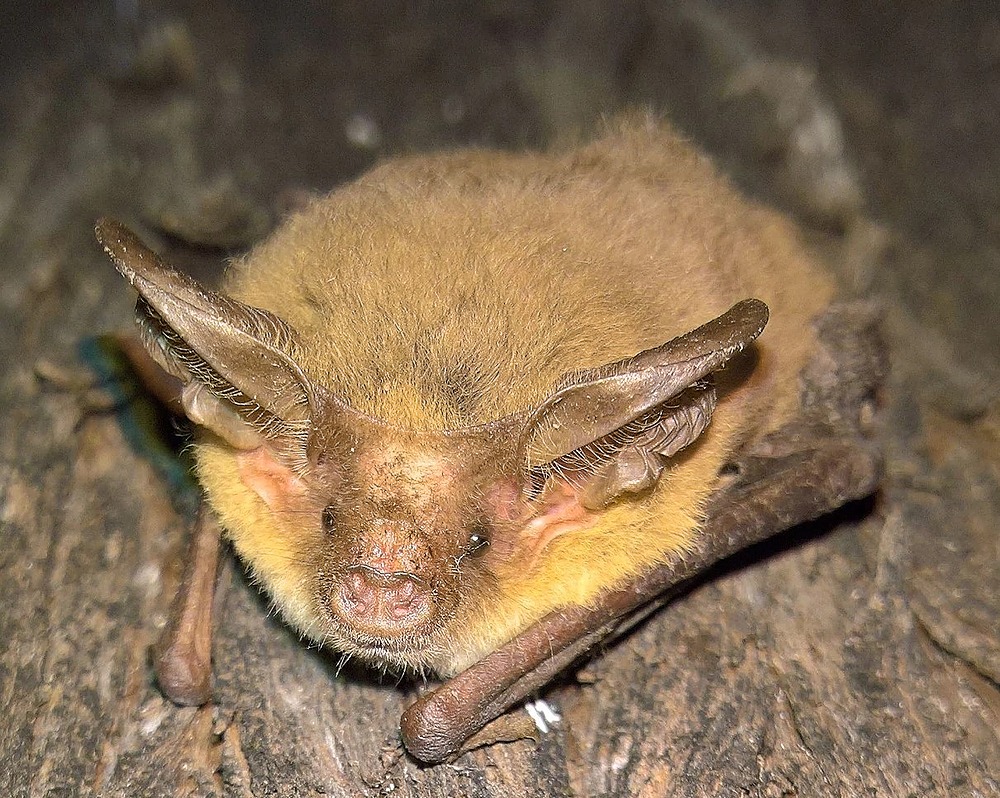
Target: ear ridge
{"points": [[614, 423], [717, 341], [594, 403], [244, 355], [635, 461]]}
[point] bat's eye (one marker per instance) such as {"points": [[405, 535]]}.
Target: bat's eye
{"points": [[328, 519], [479, 542]]}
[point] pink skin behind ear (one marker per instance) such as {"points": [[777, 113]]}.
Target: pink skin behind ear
{"points": [[562, 513], [274, 482]]}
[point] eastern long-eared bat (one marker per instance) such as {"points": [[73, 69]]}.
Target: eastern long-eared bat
{"points": [[473, 412]]}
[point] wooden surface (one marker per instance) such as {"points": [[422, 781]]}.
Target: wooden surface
{"points": [[860, 656]]}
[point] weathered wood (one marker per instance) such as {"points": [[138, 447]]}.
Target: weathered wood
{"points": [[856, 657]]}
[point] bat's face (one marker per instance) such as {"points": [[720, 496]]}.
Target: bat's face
{"points": [[399, 545], [382, 543], [413, 529]]}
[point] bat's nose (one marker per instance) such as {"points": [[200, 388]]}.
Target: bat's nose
{"points": [[381, 603]]}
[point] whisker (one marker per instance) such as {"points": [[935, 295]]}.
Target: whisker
{"points": [[345, 657]]}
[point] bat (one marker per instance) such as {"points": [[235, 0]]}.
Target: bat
{"points": [[478, 412]]}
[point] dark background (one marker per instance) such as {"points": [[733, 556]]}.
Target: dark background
{"points": [[861, 656]]}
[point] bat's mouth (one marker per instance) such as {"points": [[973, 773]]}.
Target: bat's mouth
{"points": [[411, 651]]}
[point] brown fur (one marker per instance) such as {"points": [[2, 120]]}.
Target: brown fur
{"points": [[441, 292]]}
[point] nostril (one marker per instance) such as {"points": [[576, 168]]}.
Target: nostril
{"points": [[370, 598], [356, 593], [400, 598]]}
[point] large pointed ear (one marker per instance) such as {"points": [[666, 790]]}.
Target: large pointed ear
{"points": [[608, 430], [238, 362]]}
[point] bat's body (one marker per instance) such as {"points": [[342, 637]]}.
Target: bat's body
{"points": [[445, 430]]}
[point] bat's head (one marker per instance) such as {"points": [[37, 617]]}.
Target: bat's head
{"points": [[414, 527], [391, 543]]}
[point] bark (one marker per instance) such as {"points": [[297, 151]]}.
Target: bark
{"points": [[857, 656]]}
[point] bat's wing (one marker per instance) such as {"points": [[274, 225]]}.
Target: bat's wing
{"points": [[183, 654], [183, 657]]}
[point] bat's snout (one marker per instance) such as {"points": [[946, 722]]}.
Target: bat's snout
{"points": [[381, 603]]}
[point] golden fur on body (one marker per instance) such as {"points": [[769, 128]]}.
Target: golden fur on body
{"points": [[445, 291]]}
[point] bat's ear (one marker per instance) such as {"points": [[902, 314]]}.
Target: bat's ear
{"points": [[238, 363], [608, 430]]}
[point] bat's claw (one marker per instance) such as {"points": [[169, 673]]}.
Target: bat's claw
{"points": [[543, 714]]}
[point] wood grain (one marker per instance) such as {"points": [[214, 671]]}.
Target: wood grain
{"points": [[853, 657]]}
